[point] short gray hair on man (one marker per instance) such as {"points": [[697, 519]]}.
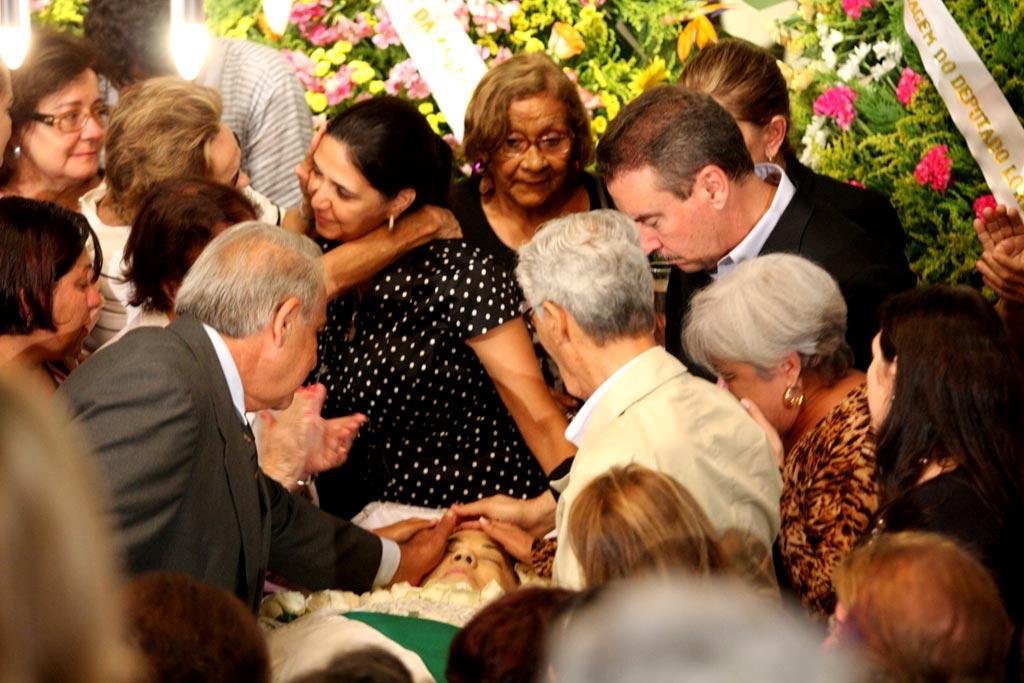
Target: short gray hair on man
{"points": [[668, 629], [245, 273], [591, 264], [767, 308]]}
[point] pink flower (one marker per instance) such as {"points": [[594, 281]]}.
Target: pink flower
{"points": [[856, 183], [504, 54], [935, 168], [985, 201], [908, 86], [305, 13], [321, 35], [406, 75], [386, 34], [304, 67], [592, 3], [837, 102], [338, 87], [853, 8]]}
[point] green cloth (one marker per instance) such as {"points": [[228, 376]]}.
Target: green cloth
{"points": [[429, 639]]}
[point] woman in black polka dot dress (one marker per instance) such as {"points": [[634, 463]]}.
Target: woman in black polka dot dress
{"points": [[433, 350]]}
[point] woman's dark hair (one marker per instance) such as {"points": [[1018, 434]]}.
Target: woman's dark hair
{"points": [[958, 393], [393, 146], [176, 222], [54, 59], [133, 34], [504, 642], [39, 244], [192, 632]]}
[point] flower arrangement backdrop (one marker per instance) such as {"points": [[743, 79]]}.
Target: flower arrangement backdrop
{"points": [[863, 109]]}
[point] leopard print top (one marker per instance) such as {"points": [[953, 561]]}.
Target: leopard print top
{"points": [[829, 495]]}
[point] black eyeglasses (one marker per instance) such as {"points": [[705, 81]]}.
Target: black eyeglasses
{"points": [[74, 121]]}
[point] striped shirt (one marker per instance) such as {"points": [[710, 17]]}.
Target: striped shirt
{"points": [[265, 105]]}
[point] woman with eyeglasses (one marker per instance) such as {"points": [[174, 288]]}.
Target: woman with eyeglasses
{"points": [[528, 139], [432, 349], [57, 122]]}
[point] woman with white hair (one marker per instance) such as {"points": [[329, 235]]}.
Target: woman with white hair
{"points": [[773, 330]]}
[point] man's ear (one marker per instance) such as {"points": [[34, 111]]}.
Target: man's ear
{"points": [[712, 186], [557, 321], [285, 321]]}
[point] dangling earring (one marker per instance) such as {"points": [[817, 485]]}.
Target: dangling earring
{"points": [[17, 151], [793, 397], [391, 223]]}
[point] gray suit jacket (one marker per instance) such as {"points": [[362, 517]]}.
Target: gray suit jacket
{"points": [[181, 476]]}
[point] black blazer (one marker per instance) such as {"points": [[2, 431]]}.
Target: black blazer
{"points": [[181, 476], [870, 210], [866, 270]]}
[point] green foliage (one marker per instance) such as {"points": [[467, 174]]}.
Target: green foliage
{"points": [[887, 140]]}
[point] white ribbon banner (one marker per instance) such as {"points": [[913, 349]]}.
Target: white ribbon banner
{"points": [[445, 56], [992, 131]]}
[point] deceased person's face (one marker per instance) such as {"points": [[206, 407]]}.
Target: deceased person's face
{"points": [[473, 557]]}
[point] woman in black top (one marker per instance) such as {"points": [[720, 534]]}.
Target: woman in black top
{"points": [[433, 349], [946, 401], [528, 138]]}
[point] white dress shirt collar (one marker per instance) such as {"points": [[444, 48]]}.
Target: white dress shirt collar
{"points": [[576, 429], [231, 374], [750, 246]]}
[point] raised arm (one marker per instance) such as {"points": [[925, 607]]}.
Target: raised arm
{"points": [[506, 352]]}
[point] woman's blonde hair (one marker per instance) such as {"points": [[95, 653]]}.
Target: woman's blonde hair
{"points": [[162, 128], [60, 612], [634, 520], [744, 78], [518, 78]]}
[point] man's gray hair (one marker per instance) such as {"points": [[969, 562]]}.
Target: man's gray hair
{"points": [[663, 630], [243, 275], [767, 308], [591, 265]]}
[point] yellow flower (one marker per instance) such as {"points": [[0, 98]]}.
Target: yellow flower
{"points": [[599, 124], [317, 54], [699, 31], [655, 73], [434, 123], [565, 42], [322, 69], [426, 108], [361, 72], [802, 80], [533, 45], [376, 87], [441, 118], [317, 101], [611, 104]]}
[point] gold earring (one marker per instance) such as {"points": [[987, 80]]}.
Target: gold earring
{"points": [[793, 397], [391, 223]]}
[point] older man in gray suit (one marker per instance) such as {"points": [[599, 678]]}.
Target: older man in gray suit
{"points": [[164, 410]]}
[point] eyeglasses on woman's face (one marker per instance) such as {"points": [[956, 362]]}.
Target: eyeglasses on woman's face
{"points": [[75, 120], [550, 145]]}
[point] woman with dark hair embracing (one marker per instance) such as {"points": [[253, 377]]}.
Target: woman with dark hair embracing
{"points": [[947, 403], [432, 349]]}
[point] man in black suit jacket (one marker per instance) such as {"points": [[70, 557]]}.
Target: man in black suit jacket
{"points": [[676, 163], [164, 410]]}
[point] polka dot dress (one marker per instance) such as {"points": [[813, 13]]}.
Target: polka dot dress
{"points": [[438, 433]]}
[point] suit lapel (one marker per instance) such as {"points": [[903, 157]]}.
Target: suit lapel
{"points": [[788, 234], [239, 451]]}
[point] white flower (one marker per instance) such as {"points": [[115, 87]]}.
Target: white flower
{"points": [[815, 138], [851, 67]]}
